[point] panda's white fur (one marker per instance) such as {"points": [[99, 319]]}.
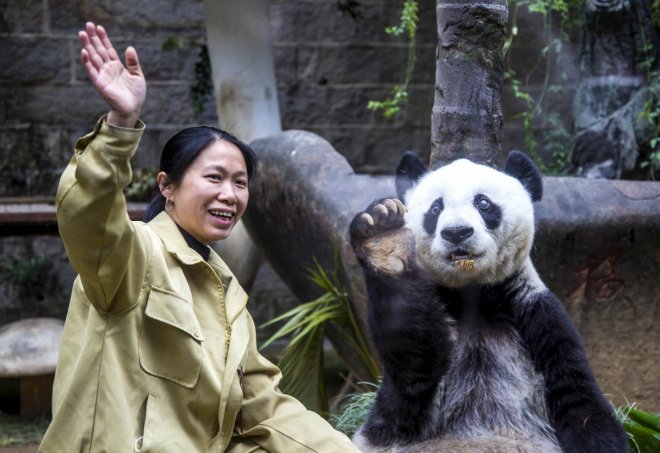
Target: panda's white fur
{"points": [[497, 253], [478, 355]]}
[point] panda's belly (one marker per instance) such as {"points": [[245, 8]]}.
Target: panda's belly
{"points": [[491, 389]]}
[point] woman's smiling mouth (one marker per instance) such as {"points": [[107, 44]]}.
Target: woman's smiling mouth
{"points": [[224, 216]]}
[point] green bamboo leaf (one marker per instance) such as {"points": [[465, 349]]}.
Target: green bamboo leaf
{"points": [[300, 310], [649, 420], [645, 440]]}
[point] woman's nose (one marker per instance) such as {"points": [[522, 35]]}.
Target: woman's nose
{"points": [[227, 194]]}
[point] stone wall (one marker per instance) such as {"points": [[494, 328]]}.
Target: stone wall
{"points": [[47, 101], [327, 66]]}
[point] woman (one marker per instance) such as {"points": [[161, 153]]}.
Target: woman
{"points": [[158, 352]]}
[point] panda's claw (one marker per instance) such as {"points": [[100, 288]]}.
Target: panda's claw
{"points": [[390, 205], [381, 210], [367, 218], [387, 214], [401, 209]]}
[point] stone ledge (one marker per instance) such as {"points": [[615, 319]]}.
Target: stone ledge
{"points": [[36, 216]]}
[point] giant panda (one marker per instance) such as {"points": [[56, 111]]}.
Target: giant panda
{"points": [[477, 354]]}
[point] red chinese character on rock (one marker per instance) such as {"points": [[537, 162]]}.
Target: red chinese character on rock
{"points": [[599, 282]]}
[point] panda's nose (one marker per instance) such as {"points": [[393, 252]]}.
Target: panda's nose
{"points": [[457, 234]]}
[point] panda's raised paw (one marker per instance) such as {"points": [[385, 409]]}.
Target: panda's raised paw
{"points": [[379, 238], [381, 215]]}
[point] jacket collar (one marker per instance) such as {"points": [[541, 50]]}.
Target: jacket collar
{"points": [[173, 240], [175, 243]]}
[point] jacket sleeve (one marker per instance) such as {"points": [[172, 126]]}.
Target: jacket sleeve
{"points": [[272, 421], [98, 235]]}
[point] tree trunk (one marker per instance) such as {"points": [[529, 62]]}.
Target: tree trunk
{"points": [[239, 43], [467, 115]]}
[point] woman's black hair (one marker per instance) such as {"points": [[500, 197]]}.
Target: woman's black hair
{"points": [[183, 148]]}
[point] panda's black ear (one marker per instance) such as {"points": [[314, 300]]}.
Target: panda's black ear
{"points": [[521, 167], [408, 172]]}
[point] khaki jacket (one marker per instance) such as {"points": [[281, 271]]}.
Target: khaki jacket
{"points": [[159, 351]]}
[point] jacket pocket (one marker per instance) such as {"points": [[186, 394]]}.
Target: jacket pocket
{"points": [[170, 343], [143, 444]]}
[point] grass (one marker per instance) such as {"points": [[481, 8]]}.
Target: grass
{"points": [[355, 413], [15, 430]]}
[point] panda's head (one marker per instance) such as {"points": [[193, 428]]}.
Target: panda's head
{"points": [[472, 224]]}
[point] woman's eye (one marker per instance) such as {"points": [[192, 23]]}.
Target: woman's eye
{"points": [[214, 177], [483, 204], [241, 183]]}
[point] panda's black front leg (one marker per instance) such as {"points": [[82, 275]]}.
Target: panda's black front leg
{"points": [[581, 415], [407, 322]]}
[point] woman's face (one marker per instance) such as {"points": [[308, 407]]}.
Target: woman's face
{"points": [[213, 193]]}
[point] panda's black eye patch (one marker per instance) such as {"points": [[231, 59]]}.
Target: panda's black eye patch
{"points": [[431, 216], [489, 211]]}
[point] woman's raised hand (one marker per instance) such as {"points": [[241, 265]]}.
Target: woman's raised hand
{"points": [[122, 87]]}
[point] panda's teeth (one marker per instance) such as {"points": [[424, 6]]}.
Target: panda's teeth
{"points": [[461, 255]]}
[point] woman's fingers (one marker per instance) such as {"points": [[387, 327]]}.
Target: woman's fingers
{"points": [[122, 87], [91, 71], [91, 55], [95, 41], [103, 36], [97, 44]]}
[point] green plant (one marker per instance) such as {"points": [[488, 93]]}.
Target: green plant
{"points": [[355, 413], [202, 87], [15, 430], [558, 142], [393, 105], [556, 138], [643, 429], [655, 12], [25, 271], [302, 362], [142, 186], [650, 112]]}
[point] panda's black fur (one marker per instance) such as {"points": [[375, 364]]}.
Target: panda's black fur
{"points": [[476, 357]]}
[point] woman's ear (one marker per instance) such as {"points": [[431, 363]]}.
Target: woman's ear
{"points": [[164, 185]]}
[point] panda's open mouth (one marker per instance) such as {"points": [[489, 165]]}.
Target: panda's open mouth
{"points": [[459, 255], [462, 259]]}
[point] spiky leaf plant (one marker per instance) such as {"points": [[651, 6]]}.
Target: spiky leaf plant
{"points": [[302, 362]]}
